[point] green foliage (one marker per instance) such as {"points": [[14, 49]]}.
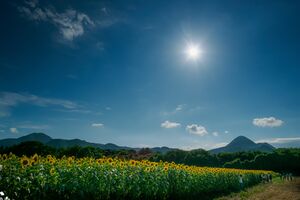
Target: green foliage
{"points": [[47, 177], [281, 160]]}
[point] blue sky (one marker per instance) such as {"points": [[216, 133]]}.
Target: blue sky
{"points": [[118, 71]]}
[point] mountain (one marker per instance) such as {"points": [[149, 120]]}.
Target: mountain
{"points": [[39, 137], [59, 143], [242, 143], [162, 149]]}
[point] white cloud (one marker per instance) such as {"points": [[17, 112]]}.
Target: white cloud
{"points": [[168, 124], [70, 23], [226, 132], [215, 133], [97, 125], [279, 140], [196, 129], [8, 99], [14, 130], [267, 122]]}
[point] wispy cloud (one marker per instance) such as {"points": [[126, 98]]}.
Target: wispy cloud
{"points": [[178, 108], [98, 125], [72, 76], [100, 46], [4, 112], [13, 99], [8, 100], [196, 108], [70, 23], [279, 140], [35, 127], [196, 129], [148, 27], [206, 145], [13, 130], [80, 111], [267, 122], [168, 124], [218, 145], [215, 133]]}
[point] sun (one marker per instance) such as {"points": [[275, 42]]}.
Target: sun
{"points": [[193, 52]]}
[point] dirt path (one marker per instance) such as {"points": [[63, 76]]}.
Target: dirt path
{"points": [[281, 190]]}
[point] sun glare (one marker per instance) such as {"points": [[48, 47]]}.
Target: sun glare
{"points": [[193, 52]]}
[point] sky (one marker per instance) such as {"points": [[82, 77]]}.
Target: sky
{"points": [[184, 74]]}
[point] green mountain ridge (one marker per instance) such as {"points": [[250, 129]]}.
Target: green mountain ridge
{"points": [[63, 143], [242, 143], [239, 144]]}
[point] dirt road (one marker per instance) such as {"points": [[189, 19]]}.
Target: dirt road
{"points": [[281, 190]]}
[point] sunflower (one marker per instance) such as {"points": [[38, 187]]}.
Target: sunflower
{"points": [[121, 164], [35, 158], [4, 157], [100, 161], [25, 161], [166, 168], [51, 159], [70, 160], [52, 171], [132, 162], [148, 169]]}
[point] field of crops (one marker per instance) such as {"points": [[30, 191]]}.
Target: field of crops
{"points": [[106, 178]]}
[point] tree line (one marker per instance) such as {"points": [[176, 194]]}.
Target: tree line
{"points": [[284, 160]]}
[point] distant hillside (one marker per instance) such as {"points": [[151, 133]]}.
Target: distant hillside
{"points": [[59, 143], [243, 143]]}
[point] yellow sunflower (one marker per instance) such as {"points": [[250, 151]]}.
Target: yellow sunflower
{"points": [[132, 162], [25, 161], [35, 158], [52, 171]]}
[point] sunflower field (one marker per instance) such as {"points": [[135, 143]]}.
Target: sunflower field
{"points": [[48, 177]]}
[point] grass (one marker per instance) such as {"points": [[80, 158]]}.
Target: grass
{"points": [[246, 193]]}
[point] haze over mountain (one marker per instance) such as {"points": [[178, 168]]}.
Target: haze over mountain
{"points": [[242, 143]]}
